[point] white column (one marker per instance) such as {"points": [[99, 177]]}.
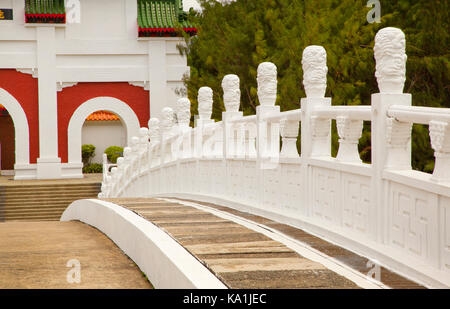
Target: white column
{"points": [[390, 72], [48, 163], [157, 76]]}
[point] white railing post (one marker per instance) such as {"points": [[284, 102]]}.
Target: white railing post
{"points": [[155, 138], [315, 139], [167, 125], [390, 59], [105, 166], [205, 105], [316, 132], [268, 134], [440, 141], [232, 101], [184, 118]]}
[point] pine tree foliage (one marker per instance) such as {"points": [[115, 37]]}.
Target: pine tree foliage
{"points": [[234, 38]]}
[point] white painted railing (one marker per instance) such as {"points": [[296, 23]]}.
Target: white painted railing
{"points": [[383, 210]]}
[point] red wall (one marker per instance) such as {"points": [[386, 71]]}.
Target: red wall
{"points": [[24, 88], [71, 98]]}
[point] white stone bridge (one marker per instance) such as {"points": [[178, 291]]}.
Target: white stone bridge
{"points": [[385, 211]]}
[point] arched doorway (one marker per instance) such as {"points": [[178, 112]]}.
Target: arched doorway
{"points": [[103, 129], [7, 144], [14, 133], [113, 105]]}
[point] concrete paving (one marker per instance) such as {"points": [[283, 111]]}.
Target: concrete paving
{"points": [[34, 255]]}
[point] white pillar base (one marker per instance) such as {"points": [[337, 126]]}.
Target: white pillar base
{"points": [[48, 168]]}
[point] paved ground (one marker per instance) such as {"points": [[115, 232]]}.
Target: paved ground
{"points": [[34, 255]]}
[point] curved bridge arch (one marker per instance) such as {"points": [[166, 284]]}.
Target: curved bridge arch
{"points": [[21, 128], [110, 104]]}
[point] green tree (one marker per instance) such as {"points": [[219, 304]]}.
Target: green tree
{"points": [[235, 38]]}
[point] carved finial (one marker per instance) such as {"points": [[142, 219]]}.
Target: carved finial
{"points": [[168, 119], [143, 132], [390, 56], [231, 93], [267, 84], [120, 161], [153, 132], [134, 143], [314, 64], [126, 152], [114, 171], [184, 112], [205, 103]]}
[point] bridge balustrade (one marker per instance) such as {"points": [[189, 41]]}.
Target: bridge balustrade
{"points": [[386, 210]]}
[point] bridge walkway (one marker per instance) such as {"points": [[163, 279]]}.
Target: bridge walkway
{"points": [[34, 255], [247, 251]]}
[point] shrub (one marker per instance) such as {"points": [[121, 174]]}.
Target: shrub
{"points": [[87, 153], [113, 153], [93, 168]]}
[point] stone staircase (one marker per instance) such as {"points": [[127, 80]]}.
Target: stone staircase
{"points": [[42, 202]]}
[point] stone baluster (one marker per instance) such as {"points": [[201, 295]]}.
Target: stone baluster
{"points": [[205, 105], [316, 132], [349, 132], [440, 141], [167, 131], [155, 137], [184, 113], [268, 134], [289, 133], [153, 131], [114, 182], [251, 140], [232, 101], [184, 118], [398, 138], [143, 139]]}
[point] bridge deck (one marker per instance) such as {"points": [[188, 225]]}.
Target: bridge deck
{"points": [[244, 258], [35, 255]]}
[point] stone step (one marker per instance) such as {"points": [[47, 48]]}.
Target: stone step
{"points": [[34, 218], [49, 191], [35, 208], [37, 188], [47, 214], [42, 201], [48, 197]]}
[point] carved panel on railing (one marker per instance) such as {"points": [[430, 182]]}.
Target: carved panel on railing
{"points": [[356, 202], [324, 194], [413, 221], [445, 243]]}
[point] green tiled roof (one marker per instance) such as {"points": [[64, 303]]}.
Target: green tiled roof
{"points": [[43, 11], [162, 17]]}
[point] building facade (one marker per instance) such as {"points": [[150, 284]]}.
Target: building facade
{"points": [[61, 61]]}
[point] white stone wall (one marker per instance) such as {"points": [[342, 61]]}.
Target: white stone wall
{"points": [[103, 134], [104, 47]]}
